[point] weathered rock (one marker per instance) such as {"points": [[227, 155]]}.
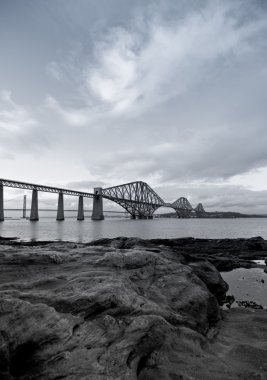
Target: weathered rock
{"points": [[224, 254], [116, 309], [211, 277]]}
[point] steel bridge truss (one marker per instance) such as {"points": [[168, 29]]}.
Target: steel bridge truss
{"points": [[200, 212], [182, 207], [137, 198], [47, 189]]}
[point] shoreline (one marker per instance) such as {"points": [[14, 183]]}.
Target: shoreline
{"points": [[128, 308]]}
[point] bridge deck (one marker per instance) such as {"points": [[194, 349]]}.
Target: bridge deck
{"points": [[47, 189]]}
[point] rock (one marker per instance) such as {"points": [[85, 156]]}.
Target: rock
{"points": [[250, 304], [228, 301], [224, 264], [119, 309], [211, 277], [255, 244]]}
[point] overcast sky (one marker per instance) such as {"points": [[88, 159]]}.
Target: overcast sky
{"points": [[173, 93]]}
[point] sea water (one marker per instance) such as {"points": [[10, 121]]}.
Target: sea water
{"points": [[47, 228]]}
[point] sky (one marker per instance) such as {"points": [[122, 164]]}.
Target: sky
{"points": [[172, 93]]}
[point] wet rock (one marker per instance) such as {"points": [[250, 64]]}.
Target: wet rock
{"points": [[256, 244], [211, 277], [250, 304], [116, 309], [228, 301]]}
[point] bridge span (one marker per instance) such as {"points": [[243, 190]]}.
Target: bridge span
{"points": [[137, 198]]}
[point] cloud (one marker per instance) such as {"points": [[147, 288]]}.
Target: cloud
{"points": [[139, 67], [14, 118], [191, 60], [74, 117], [85, 185], [147, 63], [54, 71], [20, 129]]}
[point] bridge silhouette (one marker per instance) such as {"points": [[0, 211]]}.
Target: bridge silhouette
{"points": [[137, 198]]}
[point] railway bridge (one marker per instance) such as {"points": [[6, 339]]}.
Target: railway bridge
{"points": [[137, 198]]}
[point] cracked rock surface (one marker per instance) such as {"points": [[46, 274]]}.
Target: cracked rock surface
{"points": [[121, 309]]}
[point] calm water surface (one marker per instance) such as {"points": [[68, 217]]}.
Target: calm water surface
{"points": [[47, 228], [247, 284]]}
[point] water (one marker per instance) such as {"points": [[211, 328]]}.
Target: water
{"points": [[247, 285], [47, 228]]}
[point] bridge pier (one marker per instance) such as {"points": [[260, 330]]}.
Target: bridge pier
{"points": [[97, 204], [80, 209], [141, 216], [1, 203], [24, 207], [60, 207], [34, 208]]}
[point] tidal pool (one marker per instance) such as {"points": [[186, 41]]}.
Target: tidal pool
{"points": [[247, 285]]}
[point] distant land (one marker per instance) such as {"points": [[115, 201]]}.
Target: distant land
{"points": [[217, 214]]}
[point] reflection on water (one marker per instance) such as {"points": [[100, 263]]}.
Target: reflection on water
{"points": [[83, 231], [260, 262], [247, 284], [60, 229], [33, 230]]}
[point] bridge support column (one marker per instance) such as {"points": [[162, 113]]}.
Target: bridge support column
{"points": [[98, 204], [141, 216], [60, 207], [1, 202], [34, 208], [24, 207], [80, 209]]}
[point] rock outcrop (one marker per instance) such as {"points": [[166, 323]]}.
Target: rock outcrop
{"points": [[119, 309]]}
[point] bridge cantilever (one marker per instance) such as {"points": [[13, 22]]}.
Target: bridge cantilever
{"points": [[137, 198]]}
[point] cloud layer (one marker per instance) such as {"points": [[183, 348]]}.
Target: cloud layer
{"points": [[172, 93]]}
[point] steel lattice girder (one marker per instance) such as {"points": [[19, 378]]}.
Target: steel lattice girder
{"points": [[183, 207], [136, 197], [48, 189], [200, 209]]}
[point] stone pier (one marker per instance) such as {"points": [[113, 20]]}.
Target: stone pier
{"points": [[1, 203], [34, 208], [60, 207], [98, 204], [80, 209]]}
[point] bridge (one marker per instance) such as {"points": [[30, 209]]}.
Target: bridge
{"points": [[137, 198]]}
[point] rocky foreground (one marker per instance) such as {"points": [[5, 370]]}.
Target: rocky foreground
{"points": [[127, 309]]}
